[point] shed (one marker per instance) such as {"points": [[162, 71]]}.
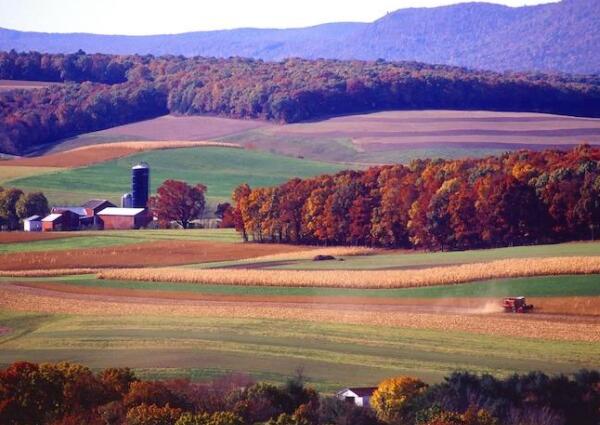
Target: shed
{"points": [[32, 224], [123, 218], [360, 396], [64, 221]]}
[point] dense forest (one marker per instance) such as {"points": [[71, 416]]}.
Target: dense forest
{"points": [[101, 91], [523, 197], [66, 393]]}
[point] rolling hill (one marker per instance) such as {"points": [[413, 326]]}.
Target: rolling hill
{"points": [[551, 37]]}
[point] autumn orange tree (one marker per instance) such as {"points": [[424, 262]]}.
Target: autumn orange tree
{"points": [[178, 201], [519, 198]]}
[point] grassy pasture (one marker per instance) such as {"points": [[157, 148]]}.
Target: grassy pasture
{"points": [[220, 169], [545, 286], [97, 239], [408, 259], [333, 355], [8, 172]]}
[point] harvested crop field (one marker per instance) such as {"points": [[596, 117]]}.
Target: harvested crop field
{"points": [[18, 298], [480, 127], [166, 128], [568, 306], [88, 155], [156, 253], [374, 279], [402, 136]]}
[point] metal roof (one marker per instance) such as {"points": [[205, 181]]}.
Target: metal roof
{"points": [[51, 217], [121, 211], [77, 210], [95, 203], [33, 218]]}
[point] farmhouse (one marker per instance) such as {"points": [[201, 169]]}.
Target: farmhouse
{"points": [[57, 222], [123, 218], [32, 224], [361, 396]]}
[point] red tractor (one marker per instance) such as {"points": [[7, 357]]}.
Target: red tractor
{"points": [[516, 305]]}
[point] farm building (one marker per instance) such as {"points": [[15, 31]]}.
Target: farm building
{"points": [[57, 222], [123, 218], [32, 224], [361, 396], [94, 206]]}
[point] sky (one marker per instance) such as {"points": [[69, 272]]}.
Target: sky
{"points": [[138, 17]]}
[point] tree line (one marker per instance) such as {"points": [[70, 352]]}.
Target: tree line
{"points": [[109, 90], [522, 197], [67, 393]]}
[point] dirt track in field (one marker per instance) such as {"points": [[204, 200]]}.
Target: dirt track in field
{"points": [[581, 307], [147, 254], [565, 328], [94, 154]]}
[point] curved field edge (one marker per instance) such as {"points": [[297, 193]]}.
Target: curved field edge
{"points": [[544, 286], [365, 279], [333, 355]]}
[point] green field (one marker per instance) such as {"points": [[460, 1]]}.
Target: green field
{"points": [[220, 169], [545, 286], [429, 259], [98, 239], [332, 355]]}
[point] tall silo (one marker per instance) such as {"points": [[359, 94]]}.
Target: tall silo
{"points": [[140, 185]]}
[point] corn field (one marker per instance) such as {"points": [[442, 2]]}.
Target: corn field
{"points": [[448, 275]]}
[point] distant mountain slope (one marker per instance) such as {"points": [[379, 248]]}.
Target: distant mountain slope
{"points": [[561, 37]]}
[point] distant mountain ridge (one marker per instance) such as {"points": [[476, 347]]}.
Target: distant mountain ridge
{"points": [[554, 37]]}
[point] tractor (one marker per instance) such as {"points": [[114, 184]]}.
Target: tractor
{"points": [[516, 305]]}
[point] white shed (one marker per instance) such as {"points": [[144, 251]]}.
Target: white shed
{"points": [[361, 396], [33, 224]]}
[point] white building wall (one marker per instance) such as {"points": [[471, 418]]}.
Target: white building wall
{"points": [[32, 226]]}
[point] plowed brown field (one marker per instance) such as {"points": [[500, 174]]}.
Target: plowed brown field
{"points": [[17, 298], [88, 155], [151, 254]]}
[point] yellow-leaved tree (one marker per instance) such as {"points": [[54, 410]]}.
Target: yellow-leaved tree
{"points": [[393, 397]]}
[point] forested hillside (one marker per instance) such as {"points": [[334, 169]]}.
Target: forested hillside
{"points": [[560, 36], [102, 91], [519, 198]]}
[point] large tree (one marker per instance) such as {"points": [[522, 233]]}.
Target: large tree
{"points": [[34, 203], [178, 201]]}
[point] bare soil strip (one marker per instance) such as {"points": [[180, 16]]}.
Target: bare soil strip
{"points": [[94, 154], [16, 298], [147, 254]]}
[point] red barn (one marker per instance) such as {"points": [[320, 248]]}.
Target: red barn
{"points": [[123, 218]]}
